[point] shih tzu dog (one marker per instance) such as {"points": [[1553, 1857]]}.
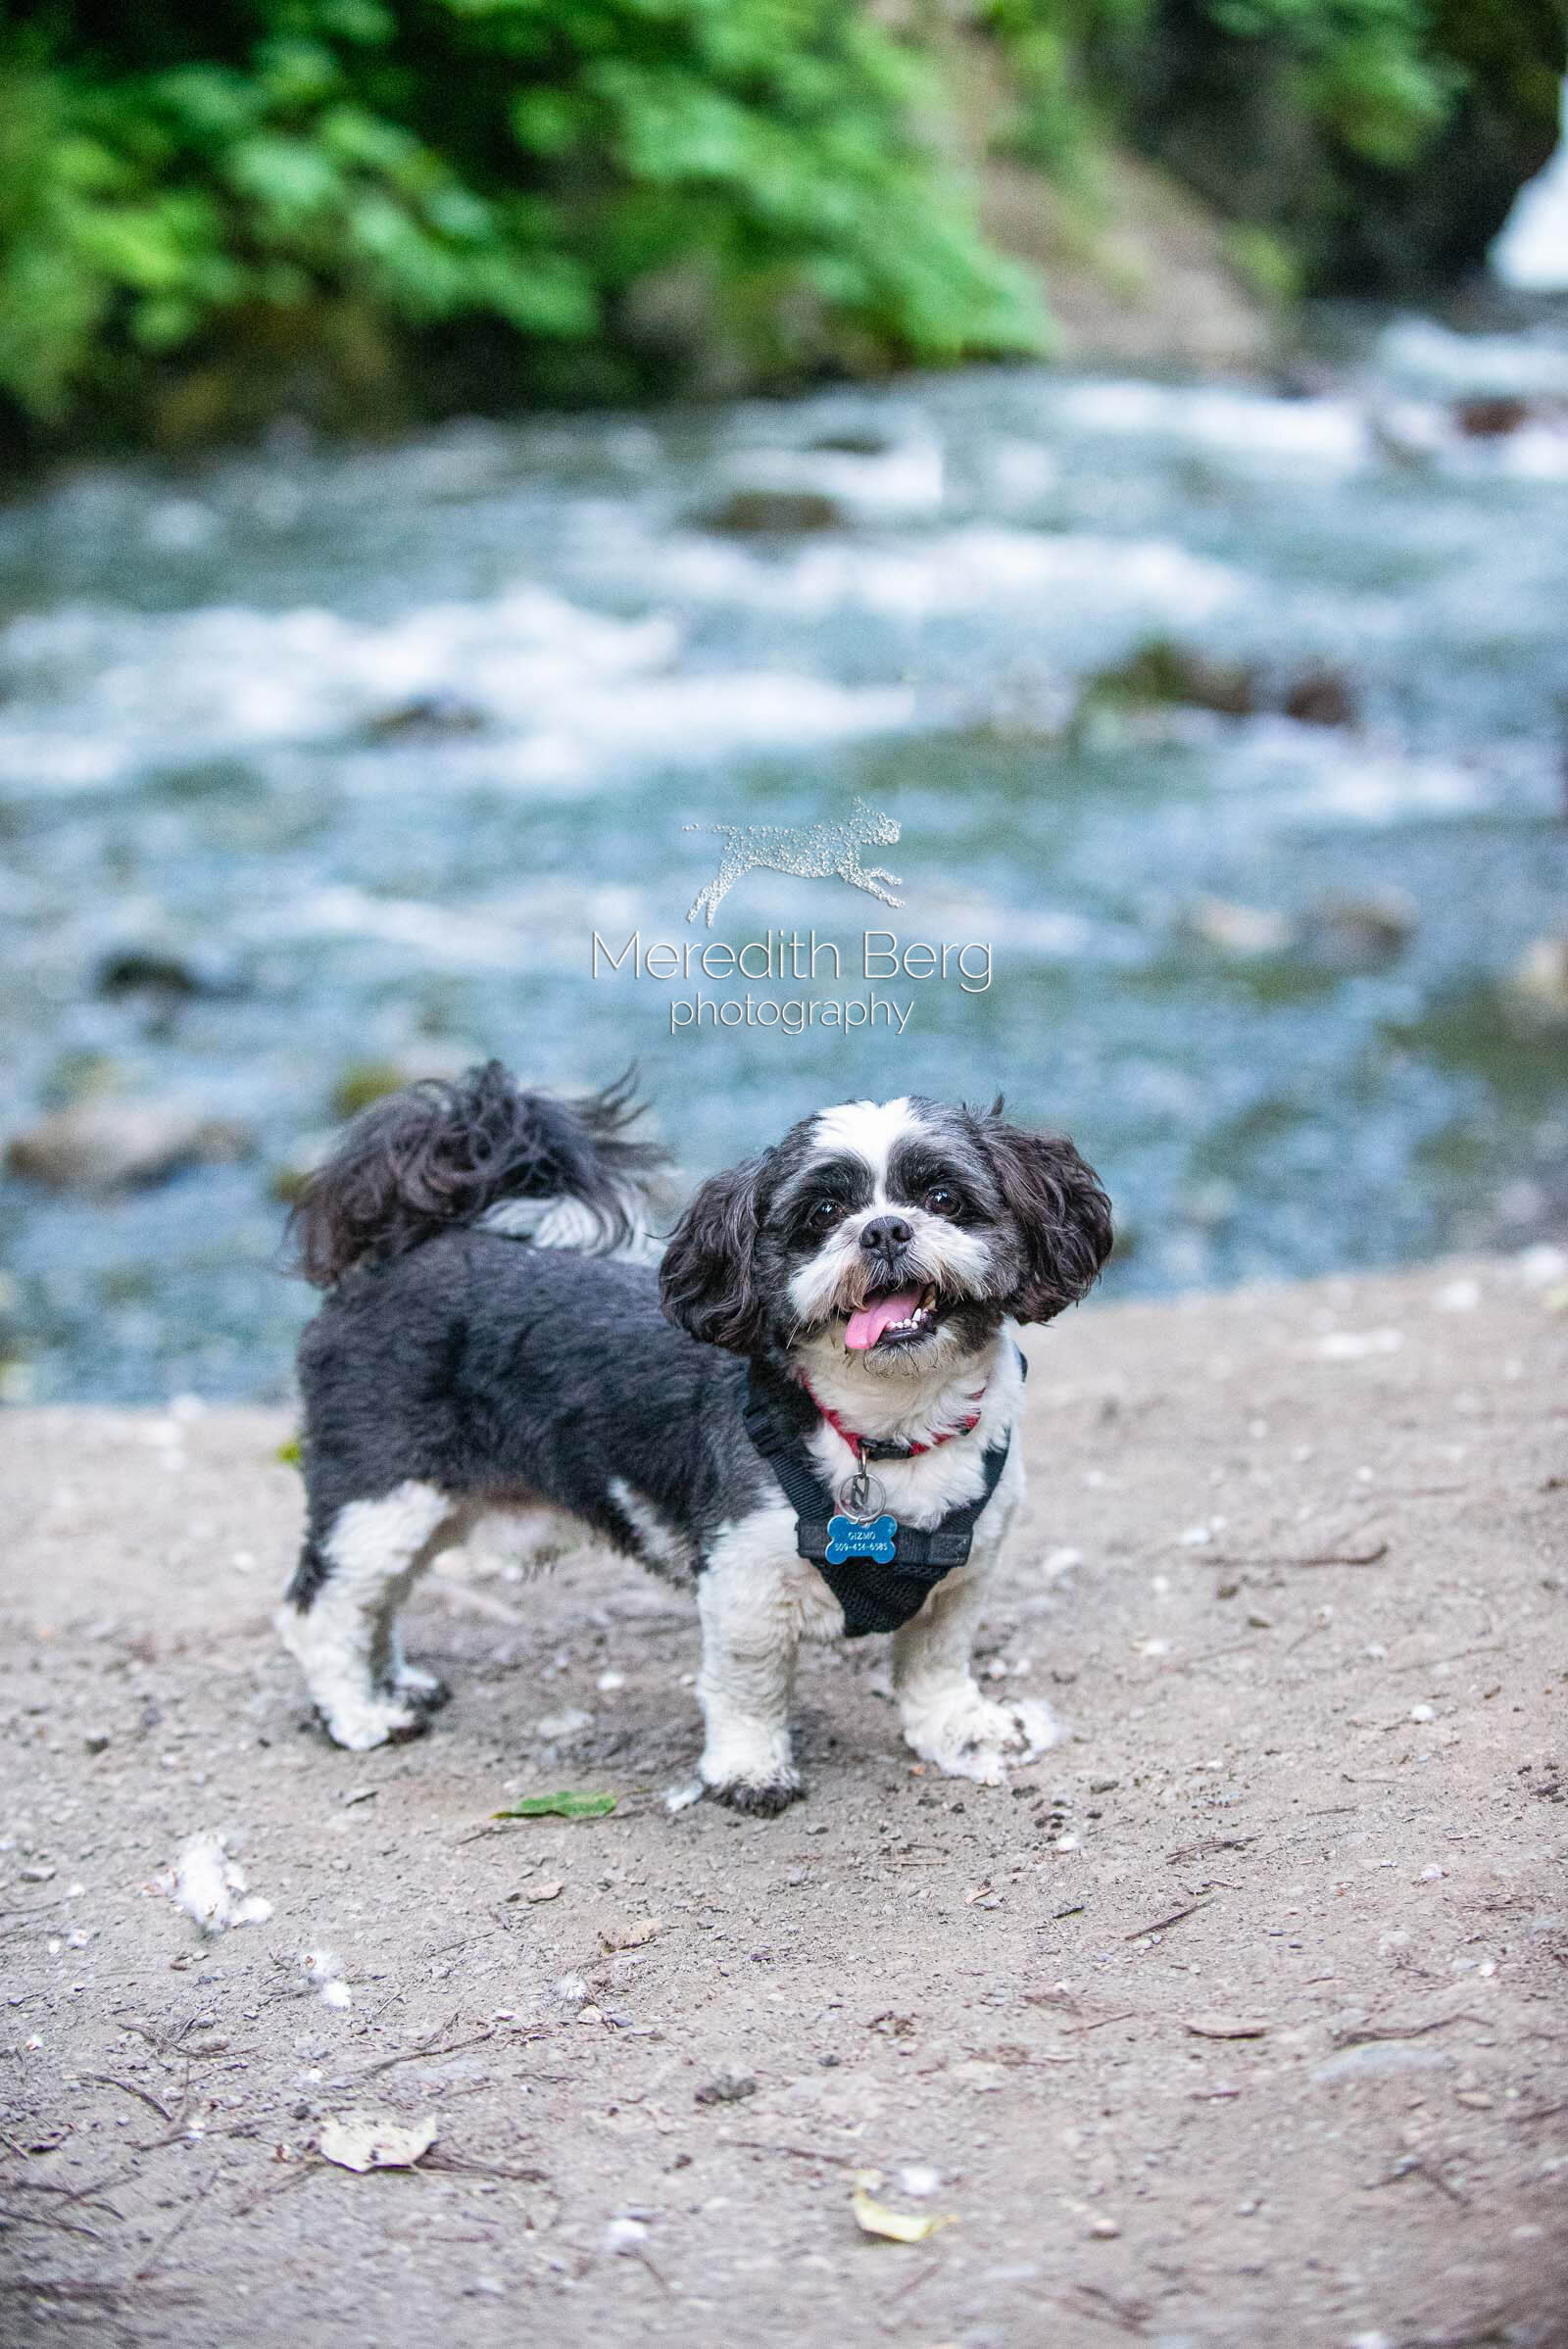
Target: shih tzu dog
{"points": [[807, 1406]]}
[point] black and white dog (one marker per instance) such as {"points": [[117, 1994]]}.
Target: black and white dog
{"points": [[807, 1406]]}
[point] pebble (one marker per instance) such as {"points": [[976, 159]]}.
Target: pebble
{"points": [[109, 1145]]}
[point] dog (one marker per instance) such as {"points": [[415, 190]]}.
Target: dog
{"points": [[816, 851], [807, 1406]]}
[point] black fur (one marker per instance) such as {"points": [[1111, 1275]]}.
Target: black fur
{"points": [[1060, 1211], [709, 1274], [451, 1363], [437, 1154]]}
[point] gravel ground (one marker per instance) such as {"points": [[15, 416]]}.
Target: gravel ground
{"points": [[1237, 2020]]}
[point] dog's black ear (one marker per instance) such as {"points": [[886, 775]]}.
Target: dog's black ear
{"points": [[708, 1280], [1063, 1214]]}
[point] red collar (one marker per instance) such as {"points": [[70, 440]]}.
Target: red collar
{"points": [[880, 1448]]}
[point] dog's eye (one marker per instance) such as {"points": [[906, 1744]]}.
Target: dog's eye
{"points": [[823, 1213], [940, 1201]]}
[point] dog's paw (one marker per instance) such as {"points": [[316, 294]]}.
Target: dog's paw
{"points": [[970, 1736], [413, 1684], [376, 1721], [759, 1799]]}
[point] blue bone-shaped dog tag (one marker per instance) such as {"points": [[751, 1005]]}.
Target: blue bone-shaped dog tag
{"points": [[862, 1538]]}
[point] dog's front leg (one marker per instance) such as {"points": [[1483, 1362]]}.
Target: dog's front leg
{"points": [[945, 1717], [751, 1615]]}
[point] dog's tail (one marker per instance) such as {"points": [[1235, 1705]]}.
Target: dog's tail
{"points": [[562, 1174]]}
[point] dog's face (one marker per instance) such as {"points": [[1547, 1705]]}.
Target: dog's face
{"points": [[898, 1234]]}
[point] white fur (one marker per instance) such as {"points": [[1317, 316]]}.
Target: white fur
{"points": [[870, 1129], [570, 1223], [757, 1600], [345, 1641], [210, 1887], [945, 1717], [661, 1545]]}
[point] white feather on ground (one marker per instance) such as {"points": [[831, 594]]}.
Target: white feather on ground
{"points": [[210, 1887]]}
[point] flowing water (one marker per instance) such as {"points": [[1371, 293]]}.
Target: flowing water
{"points": [[379, 740]]}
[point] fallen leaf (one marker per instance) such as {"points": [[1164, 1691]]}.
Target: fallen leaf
{"points": [[568, 1804], [550, 1889], [974, 1892], [893, 2227], [629, 1937], [1225, 2026], [364, 2142]]}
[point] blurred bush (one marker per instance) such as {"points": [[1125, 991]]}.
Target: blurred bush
{"points": [[309, 187], [365, 209]]}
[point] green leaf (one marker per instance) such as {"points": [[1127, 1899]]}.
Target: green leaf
{"points": [[568, 1804]]}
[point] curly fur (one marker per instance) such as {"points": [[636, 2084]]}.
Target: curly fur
{"points": [[438, 1154]]}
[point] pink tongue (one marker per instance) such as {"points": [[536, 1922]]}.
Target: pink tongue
{"points": [[867, 1326]]}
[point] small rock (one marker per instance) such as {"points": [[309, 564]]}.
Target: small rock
{"points": [[1349, 934], [1163, 670], [110, 1144], [1240, 930], [426, 716], [1104, 2230], [565, 1724], [759, 513], [165, 971], [1491, 418], [550, 1889], [1320, 697], [730, 2087], [1225, 2026], [1539, 986]]}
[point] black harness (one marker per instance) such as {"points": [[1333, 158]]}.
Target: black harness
{"points": [[880, 1572]]}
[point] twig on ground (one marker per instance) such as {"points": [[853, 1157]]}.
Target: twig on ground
{"points": [[1176, 1917], [128, 2088], [1370, 2031], [11, 2218], [1093, 2300], [1328, 1558], [1206, 1846], [155, 2256], [805, 2153], [426, 2048]]}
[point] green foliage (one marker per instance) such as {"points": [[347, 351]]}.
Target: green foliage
{"points": [[171, 178], [1354, 143], [1368, 79]]}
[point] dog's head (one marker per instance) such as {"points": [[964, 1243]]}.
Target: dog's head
{"points": [[897, 1234]]}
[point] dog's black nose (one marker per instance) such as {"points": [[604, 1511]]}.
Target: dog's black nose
{"points": [[885, 1235]]}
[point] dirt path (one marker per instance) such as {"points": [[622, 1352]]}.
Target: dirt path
{"points": [[1321, 1801]]}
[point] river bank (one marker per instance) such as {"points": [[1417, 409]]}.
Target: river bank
{"points": [[1233, 2023]]}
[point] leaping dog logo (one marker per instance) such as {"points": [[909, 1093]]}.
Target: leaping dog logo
{"points": [[816, 851]]}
